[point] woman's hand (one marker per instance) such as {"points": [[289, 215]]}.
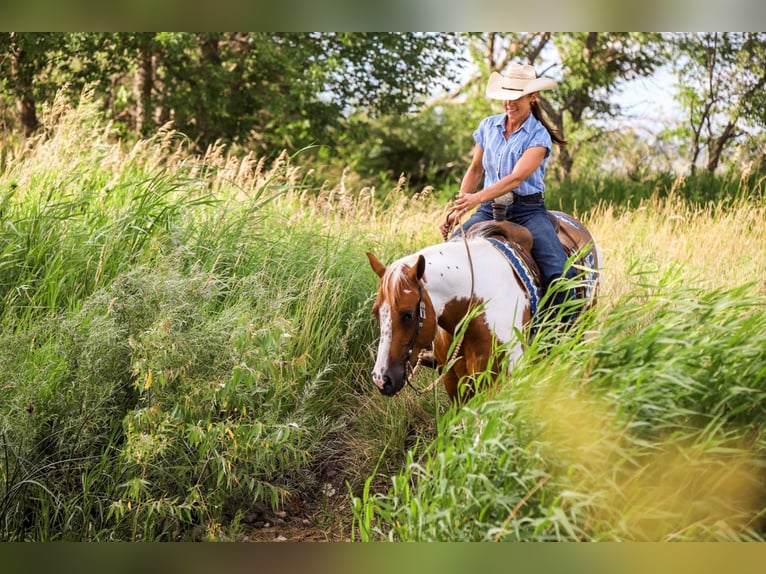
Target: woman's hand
{"points": [[448, 223], [465, 202]]}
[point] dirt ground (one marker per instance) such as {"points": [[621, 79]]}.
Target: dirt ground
{"points": [[328, 522]]}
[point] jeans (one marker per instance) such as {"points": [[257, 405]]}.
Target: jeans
{"points": [[546, 247]]}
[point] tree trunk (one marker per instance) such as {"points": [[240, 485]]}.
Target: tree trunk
{"points": [[209, 50], [697, 136], [717, 145], [210, 60], [565, 162], [22, 76], [144, 84]]}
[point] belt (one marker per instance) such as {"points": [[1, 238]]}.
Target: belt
{"points": [[532, 198]]}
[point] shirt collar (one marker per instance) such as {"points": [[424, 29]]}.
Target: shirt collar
{"points": [[500, 122]]}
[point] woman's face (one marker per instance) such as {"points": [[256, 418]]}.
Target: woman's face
{"points": [[518, 110]]}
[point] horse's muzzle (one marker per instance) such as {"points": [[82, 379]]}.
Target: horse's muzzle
{"points": [[387, 385]]}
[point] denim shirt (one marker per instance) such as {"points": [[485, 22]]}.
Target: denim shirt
{"points": [[500, 156]]}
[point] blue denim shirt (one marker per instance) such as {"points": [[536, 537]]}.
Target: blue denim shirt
{"points": [[500, 156]]}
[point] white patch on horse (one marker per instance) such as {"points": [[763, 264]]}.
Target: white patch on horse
{"points": [[384, 345], [494, 283]]}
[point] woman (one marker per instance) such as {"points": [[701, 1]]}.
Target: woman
{"points": [[510, 152]]}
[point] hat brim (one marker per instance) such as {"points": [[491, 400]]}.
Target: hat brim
{"points": [[502, 88]]}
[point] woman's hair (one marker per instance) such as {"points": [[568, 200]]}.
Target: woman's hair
{"points": [[537, 111]]}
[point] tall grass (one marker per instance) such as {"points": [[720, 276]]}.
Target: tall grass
{"points": [[186, 340], [173, 349], [646, 423], [699, 189]]}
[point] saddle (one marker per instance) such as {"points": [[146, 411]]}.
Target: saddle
{"points": [[517, 237], [571, 233]]}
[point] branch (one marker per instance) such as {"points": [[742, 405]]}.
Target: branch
{"points": [[544, 38], [454, 94]]}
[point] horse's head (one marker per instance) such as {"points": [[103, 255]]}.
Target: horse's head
{"points": [[407, 322]]}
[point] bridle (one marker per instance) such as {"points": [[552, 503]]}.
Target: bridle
{"points": [[410, 371]]}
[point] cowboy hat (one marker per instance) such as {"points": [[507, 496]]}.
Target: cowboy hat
{"points": [[519, 81]]}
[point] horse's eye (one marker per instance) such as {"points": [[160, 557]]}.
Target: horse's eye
{"points": [[407, 316]]}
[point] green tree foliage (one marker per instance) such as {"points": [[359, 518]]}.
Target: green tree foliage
{"points": [[27, 72], [721, 79], [383, 104], [431, 147], [263, 90]]}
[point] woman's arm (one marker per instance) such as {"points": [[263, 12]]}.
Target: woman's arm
{"points": [[468, 184], [530, 160]]}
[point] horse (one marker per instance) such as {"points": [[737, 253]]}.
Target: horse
{"points": [[423, 298]]}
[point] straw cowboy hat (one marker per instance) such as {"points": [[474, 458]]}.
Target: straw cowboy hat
{"points": [[520, 80]]}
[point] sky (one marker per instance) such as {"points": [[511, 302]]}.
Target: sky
{"points": [[648, 104]]}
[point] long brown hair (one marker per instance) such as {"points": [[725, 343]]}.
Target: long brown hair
{"points": [[537, 111]]}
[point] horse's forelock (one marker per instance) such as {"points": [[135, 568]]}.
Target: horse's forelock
{"points": [[392, 283]]}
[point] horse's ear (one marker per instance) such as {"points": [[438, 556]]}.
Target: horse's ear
{"points": [[420, 266], [376, 265]]}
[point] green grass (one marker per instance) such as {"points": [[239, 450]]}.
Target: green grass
{"points": [[187, 339], [168, 343], [700, 189]]}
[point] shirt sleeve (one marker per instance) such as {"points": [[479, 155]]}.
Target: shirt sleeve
{"points": [[541, 138], [480, 135]]}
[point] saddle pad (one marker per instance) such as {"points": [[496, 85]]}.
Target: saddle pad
{"points": [[521, 272], [578, 238]]}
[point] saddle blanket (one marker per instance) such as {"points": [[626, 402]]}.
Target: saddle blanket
{"points": [[522, 272]]}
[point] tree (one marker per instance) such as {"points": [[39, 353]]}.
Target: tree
{"points": [[25, 57], [721, 80], [276, 90], [269, 90], [35, 66], [143, 85]]}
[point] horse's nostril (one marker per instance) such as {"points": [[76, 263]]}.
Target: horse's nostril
{"points": [[386, 383], [383, 382], [388, 386]]}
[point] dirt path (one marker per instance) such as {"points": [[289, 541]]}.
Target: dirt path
{"points": [[326, 522]]}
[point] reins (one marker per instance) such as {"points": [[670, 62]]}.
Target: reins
{"points": [[421, 311]]}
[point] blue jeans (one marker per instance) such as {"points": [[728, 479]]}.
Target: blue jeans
{"points": [[546, 247]]}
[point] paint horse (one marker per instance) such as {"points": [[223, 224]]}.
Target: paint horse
{"points": [[422, 299]]}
